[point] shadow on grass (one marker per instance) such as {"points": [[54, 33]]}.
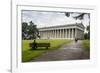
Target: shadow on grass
{"points": [[39, 49]]}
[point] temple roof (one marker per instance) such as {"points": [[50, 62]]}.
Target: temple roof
{"points": [[66, 25]]}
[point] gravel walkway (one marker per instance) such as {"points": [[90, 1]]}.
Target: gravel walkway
{"points": [[72, 51]]}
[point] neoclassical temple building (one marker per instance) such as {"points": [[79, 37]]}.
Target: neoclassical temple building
{"points": [[69, 31]]}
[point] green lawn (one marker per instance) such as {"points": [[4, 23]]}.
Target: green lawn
{"points": [[86, 44], [28, 54]]}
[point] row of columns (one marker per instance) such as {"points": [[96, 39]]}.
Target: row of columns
{"points": [[58, 33]]}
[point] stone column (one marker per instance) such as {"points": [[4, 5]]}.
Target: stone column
{"points": [[66, 34], [51, 33], [41, 35], [55, 33], [60, 33], [75, 33], [63, 33], [72, 32], [69, 33], [48, 33], [45, 35]]}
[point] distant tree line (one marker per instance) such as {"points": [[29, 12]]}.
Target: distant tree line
{"points": [[29, 31]]}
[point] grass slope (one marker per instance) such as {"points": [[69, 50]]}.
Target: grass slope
{"points": [[86, 44], [28, 54]]}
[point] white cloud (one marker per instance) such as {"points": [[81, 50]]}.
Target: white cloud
{"points": [[45, 19]]}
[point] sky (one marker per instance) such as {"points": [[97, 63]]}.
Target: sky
{"points": [[46, 19]]}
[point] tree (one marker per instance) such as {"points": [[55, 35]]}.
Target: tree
{"points": [[87, 35], [24, 30], [67, 14], [80, 16], [29, 31], [33, 31], [88, 29]]}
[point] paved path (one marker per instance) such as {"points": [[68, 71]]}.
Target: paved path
{"points": [[72, 51]]}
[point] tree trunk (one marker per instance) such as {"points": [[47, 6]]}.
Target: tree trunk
{"points": [[35, 45]]}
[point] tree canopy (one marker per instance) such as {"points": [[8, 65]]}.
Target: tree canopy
{"points": [[29, 31]]}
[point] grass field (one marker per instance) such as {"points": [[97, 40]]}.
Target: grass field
{"points": [[86, 44], [28, 54]]}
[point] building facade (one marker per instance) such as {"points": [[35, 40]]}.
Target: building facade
{"points": [[69, 31]]}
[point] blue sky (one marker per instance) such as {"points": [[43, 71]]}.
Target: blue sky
{"points": [[45, 19]]}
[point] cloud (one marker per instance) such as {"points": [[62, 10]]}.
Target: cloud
{"points": [[45, 19]]}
